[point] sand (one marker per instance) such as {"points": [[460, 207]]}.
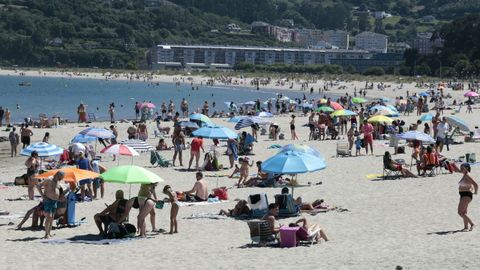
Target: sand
{"points": [[407, 222]]}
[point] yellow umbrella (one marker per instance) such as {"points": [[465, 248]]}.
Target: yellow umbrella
{"points": [[380, 119]]}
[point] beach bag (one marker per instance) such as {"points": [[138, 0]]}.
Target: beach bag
{"points": [[215, 164], [363, 143], [401, 150], [21, 180], [221, 193]]}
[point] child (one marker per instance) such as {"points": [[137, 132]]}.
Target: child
{"points": [[244, 170], [358, 144], [172, 197], [469, 108], [237, 169]]}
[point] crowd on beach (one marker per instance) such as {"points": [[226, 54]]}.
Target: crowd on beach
{"points": [[323, 124]]}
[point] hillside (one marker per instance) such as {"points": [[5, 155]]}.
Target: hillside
{"points": [[119, 33]]}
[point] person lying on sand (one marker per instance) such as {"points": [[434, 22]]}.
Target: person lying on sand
{"points": [[310, 228], [241, 208]]}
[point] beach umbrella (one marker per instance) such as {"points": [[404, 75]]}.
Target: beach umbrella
{"points": [[426, 117], [188, 124], [101, 133], [471, 94], [359, 100], [380, 119], [423, 94], [200, 117], [343, 112], [249, 121], [130, 174], [148, 105], [416, 135], [301, 148], [264, 114], [384, 110], [284, 98], [215, 132], [325, 109], [43, 150], [236, 119], [457, 122], [306, 105], [119, 149], [249, 103], [291, 162], [138, 145], [322, 101], [336, 105], [71, 174], [80, 138]]}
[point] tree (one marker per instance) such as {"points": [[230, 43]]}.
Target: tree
{"points": [[410, 56], [364, 23], [379, 26], [374, 71]]}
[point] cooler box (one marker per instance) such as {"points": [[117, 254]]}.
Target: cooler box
{"points": [[288, 236], [71, 200]]}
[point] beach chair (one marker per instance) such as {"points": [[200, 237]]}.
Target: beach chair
{"points": [[91, 117], [157, 160], [260, 233], [286, 205], [309, 237], [343, 149], [258, 204], [387, 173]]}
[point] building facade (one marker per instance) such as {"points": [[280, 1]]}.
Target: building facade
{"points": [[425, 44], [226, 57], [371, 42]]}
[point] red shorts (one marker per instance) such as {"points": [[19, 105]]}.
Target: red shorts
{"points": [[368, 139]]}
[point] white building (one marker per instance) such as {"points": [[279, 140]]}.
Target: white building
{"points": [[338, 38], [371, 42]]}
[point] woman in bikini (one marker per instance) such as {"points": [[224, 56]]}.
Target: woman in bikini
{"points": [[146, 200], [244, 170], [465, 187], [172, 197]]}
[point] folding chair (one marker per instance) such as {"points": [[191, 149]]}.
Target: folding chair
{"points": [[260, 233], [343, 149]]}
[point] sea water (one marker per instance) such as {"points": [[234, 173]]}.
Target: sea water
{"points": [[61, 96]]}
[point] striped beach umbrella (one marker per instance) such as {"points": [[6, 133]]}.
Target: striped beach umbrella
{"points": [[97, 133], [80, 138], [200, 117], [119, 149], [138, 145], [43, 150], [264, 114], [249, 121]]}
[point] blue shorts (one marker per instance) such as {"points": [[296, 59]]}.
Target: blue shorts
{"points": [[97, 182], [50, 206], [85, 181]]}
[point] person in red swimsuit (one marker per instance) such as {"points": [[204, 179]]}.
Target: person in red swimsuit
{"points": [[367, 130], [196, 145]]}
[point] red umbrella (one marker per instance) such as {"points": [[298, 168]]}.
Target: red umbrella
{"points": [[336, 106], [119, 149]]}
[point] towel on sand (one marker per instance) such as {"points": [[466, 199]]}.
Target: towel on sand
{"points": [[206, 215]]}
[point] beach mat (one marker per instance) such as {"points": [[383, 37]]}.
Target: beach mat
{"points": [[206, 216], [198, 203], [97, 241]]}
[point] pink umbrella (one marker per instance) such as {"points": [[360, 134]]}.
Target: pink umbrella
{"points": [[336, 106], [471, 94], [119, 149], [148, 105]]}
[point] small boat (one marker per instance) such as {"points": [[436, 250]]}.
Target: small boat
{"points": [[24, 84]]}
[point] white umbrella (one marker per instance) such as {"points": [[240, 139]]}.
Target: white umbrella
{"points": [[43, 150], [138, 145]]}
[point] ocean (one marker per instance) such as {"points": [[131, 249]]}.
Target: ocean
{"points": [[47, 95]]}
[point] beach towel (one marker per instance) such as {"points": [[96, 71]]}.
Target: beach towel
{"points": [[274, 146], [89, 242], [372, 176], [206, 216], [199, 203]]}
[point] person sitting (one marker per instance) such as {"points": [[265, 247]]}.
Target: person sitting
{"points": [[270, 218], [309, 229], [37, 217], [428, 161], [240, 209], [113, 213], [260, 177], [162, 145], [200, 189], [391, 165]]}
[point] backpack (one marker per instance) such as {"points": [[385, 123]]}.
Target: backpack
{"points": [[118, 231]]}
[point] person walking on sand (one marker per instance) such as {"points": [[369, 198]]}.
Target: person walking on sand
{"points": [[292, 128], [178, 140], [14, 141], [465, 187], [51, 195], [172, 197], [111, 112]]}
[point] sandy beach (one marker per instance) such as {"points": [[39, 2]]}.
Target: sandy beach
{"points": [[410, 222]]}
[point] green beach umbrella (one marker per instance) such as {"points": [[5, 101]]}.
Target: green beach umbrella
{"points": [[358, 100], [130, 174], [324, 109]]}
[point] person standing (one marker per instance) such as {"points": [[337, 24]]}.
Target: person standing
{"points": [[367, 130], [195, 146], [111, 112], [178, 140], [465, 187], [114, 140], [14, 141], [33, 168], [142, 131], [442, 129], [2, 112], [137, 110], [292, 128], [25, 134], [82, 113], [84, 164], [7, 117], [51, 194], [172, 197]]}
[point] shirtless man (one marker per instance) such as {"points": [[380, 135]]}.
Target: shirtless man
{"points": [[200, 189], [270, 217], [142, 131], [52, 191]]}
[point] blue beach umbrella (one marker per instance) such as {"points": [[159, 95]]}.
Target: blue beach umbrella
{"points": [[264, 114], [426, 117], [97, 133], [302, 148], [188, 124], [200, 117], [249, 121], [80, 138], [43, 150], [457, 122], [423, 94], [416, 135], [215, 132], [291, 162], [236, 119]]}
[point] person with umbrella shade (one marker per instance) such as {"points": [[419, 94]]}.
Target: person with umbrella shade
{"points": [[33, 168], [114, 213], [51, 195]]}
